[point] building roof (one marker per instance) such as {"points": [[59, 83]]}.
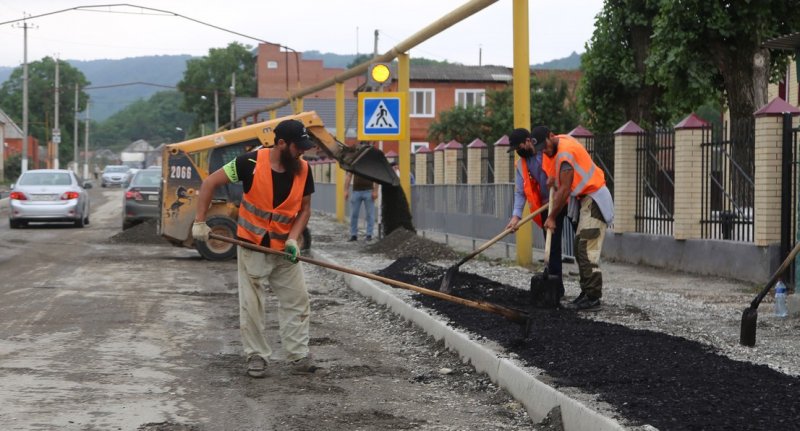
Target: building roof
{"points": [[457, 72], [138, 146], [788, 42], [10, 128], [325, 108]]}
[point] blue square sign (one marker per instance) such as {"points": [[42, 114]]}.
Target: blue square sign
{"points": [[381, 116]]}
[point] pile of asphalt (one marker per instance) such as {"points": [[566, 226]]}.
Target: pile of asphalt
{"points": [[142, 233], [403, 242], [651, 378]]}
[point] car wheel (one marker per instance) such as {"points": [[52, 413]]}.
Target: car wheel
{"points": [[79, 222], [215, 249], [102, 184], [13, 224]]}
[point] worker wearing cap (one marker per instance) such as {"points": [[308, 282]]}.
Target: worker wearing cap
{"points": [[275, 209], [531, 186], [580, 186]]}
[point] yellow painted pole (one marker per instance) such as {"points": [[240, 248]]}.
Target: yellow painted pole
{"points": [[298, 105], [273, 114], [404, 145], [340, 136], [522, 110]]}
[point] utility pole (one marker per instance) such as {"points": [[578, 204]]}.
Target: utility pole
{"points": [[233, 100], [56, 128], [480, 54], [216, 110], [375, 51], [86, 146], [75, 132], [25, 27]]}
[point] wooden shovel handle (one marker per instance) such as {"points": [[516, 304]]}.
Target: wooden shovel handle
{"points": [[502, 234], [508, 313]]}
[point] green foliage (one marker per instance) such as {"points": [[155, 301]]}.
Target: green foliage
{"points": [[41, 100], [155, 120], [358, 60], [13, 167], [550, 105], [212, 73], [461, 124]]}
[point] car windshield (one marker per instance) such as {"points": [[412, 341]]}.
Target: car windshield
{"points": [[116, 169], [147, 179], [45, 179]]}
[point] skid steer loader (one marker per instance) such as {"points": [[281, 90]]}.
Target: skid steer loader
{"points": [[186, 164]]}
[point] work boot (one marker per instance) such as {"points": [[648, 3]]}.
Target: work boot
{"points": [[586, 304], [304, 366], [578, 298], [256, 366], [353, 238]]}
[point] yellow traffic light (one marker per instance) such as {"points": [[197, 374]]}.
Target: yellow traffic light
{"points": [[380, 73]]}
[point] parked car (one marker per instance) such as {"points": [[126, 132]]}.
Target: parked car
{"points": [[141, 200], [49, 195], [114, 175]]}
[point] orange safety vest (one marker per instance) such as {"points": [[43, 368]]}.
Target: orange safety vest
{"points": [[531, 188], [587, 177], [257, 214]]}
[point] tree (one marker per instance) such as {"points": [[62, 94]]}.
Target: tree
{"points": [[157, 120], [41, 100], [205, 75]]}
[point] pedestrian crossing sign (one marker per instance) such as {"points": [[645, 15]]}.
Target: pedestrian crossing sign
{"points": [[382, 116]]}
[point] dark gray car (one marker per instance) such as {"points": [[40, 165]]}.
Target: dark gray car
{"points": [[142, 201]]}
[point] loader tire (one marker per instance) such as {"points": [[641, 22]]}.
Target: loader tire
{"points": [[214, 249]]}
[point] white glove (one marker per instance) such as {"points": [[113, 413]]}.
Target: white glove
{"points": [[200, 231]]}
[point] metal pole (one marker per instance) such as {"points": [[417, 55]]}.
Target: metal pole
{"points": [[233, 100], [786, 186], [75, 132], [25, 100], [86, 146], [56, 127], [216, 110]]}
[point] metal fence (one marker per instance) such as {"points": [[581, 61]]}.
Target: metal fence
{"points": [[727, 188], [601, 148], [790, 214], [655, 185]]}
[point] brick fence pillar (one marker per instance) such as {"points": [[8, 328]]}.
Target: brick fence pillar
{"points": [[421, 165], [581, 135], [688, 178], [503, 161], [476, 169], [438, 164], [451, 152], [625, 177], [768, 153]]}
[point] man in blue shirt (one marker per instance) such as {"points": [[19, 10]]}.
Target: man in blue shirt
{"points": [[531, 176]]}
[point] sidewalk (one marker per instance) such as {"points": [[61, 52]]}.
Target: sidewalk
{"points": [[703, 309]]}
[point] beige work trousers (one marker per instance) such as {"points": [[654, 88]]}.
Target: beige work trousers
{"points": [[588, 244], [287, 282]]}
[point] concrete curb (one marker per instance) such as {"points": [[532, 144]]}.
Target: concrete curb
{"points": [[537, 397]]}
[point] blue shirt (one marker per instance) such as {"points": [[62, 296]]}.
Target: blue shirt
{"points": [[535, 168]]}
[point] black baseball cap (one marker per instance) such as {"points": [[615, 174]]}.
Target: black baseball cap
{"points": [[293, 131], [539, 135], [517, 137]]}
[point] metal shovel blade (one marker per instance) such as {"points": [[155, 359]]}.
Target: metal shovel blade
{"points": [[448, 278], [747, 334]]}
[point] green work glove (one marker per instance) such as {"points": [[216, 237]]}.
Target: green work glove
{"points": [[292, 249]]}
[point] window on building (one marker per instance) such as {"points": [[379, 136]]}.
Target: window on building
{"points": [[467, 98], [422, 102], [272, 64], [415, 146]]}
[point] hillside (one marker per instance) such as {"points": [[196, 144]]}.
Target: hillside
{"points": [[573, 62]]}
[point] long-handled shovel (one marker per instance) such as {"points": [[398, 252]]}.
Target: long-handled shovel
{"points": [[515, 316], [452, 272], [747, 335]]}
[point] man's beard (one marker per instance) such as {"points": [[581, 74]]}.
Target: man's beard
{"points": [[524, 153], [291, 165]]}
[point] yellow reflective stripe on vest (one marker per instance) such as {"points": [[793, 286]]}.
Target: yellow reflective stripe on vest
{"points": [[585, 176]]}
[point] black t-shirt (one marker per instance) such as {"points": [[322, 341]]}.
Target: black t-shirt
{"points": [[281, 181]]}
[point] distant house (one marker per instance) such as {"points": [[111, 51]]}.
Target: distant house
{"points": [[788, 88], [11, 137], [135, 154]]}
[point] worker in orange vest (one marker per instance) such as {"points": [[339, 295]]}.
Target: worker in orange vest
{"points": [[580, 186], [275, 209], [531, 186]]}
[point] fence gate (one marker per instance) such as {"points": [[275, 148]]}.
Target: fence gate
{"points": [[727, 188], [790, 202], [655, 185], [601, 148]]}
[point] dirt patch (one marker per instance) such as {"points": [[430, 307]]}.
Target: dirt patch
{"points": [[652, 378], [403, 242], [142, 233], [166, 426]]}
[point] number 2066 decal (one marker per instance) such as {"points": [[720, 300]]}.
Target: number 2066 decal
{"points": [[180, 172]]}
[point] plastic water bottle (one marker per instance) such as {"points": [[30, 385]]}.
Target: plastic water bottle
{"points": [[780, 300]]}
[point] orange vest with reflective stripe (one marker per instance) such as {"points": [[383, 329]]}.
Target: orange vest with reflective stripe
{"points": [[258, 216], [531, 188], [587, 178]]}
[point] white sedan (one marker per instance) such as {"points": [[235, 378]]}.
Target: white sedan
{"points": [[49, 195]]}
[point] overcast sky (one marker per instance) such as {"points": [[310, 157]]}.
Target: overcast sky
{"points": [[557, 28]]}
